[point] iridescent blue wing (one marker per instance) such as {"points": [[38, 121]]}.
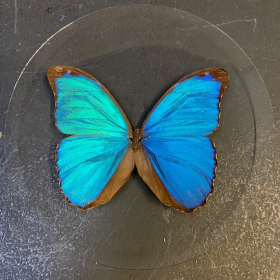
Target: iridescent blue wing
{"points": [[185, 166], [87, 164], [94, 162], [180, 160], [84, 105]]}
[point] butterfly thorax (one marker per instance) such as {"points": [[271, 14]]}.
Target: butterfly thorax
{"points": [[136, 139]]}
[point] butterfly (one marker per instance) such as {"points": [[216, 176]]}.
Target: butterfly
{"points": [[170, 151]]}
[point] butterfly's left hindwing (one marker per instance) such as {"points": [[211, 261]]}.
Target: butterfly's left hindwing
{"points": [[176, 160], [86, 164], [94, 162]]}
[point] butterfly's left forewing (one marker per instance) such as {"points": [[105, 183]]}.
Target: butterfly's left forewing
{"points": [[175, 159], [93, 163], [84, 105]]}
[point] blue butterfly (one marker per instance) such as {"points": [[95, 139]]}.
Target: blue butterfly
{"points": [[170, 151]]}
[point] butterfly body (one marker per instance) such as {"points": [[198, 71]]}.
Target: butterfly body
{"points": [[136, 140], [170, 151]]}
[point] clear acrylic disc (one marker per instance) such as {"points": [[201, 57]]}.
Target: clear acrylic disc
{"points": [[137, 56]]}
